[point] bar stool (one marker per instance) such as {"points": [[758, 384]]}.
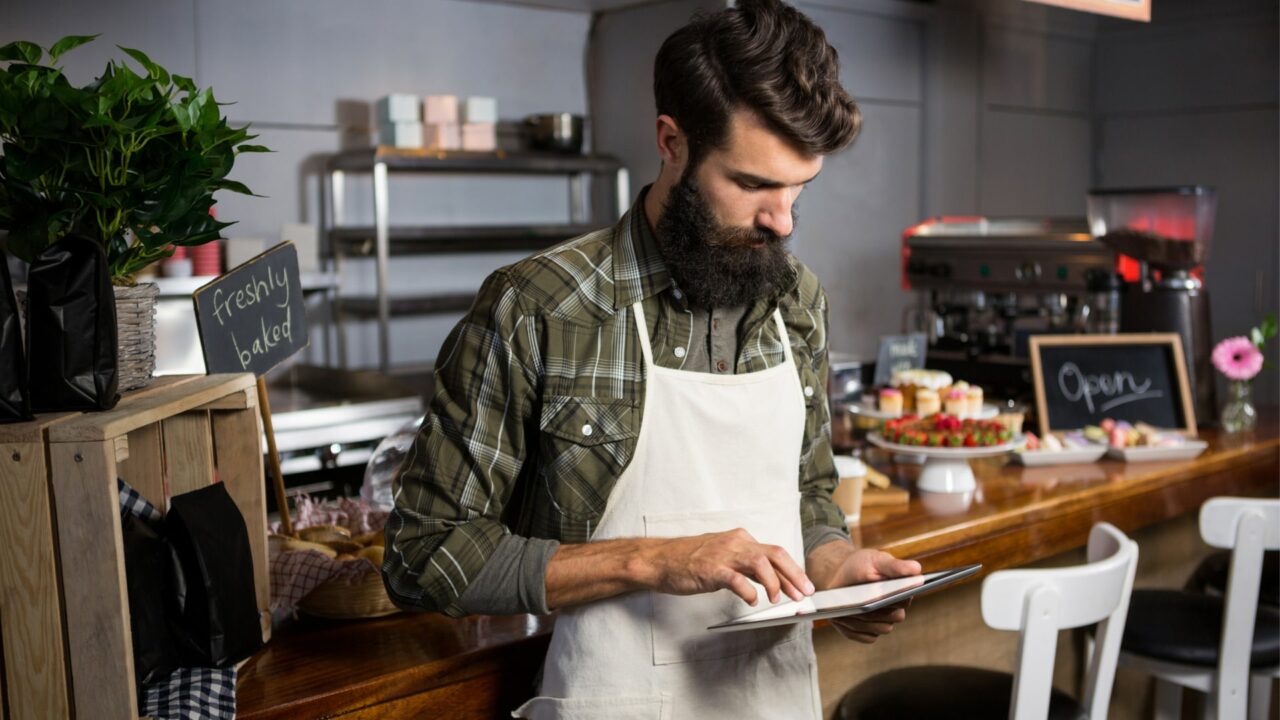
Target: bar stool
{"points": [[1037, 603], [1223, 646], [1210, 577]]}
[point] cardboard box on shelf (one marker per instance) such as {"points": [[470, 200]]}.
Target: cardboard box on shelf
{"points": [[440, 109], [480, 110], [442, 136], [399, 107], [480, 137], [401, 134]]}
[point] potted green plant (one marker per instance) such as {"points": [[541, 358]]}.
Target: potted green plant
{"points": [[131, 160]]}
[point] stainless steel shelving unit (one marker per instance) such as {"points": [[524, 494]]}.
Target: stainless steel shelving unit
{"points": [[590, 207]]}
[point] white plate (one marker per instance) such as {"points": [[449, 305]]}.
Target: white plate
{"points": [[1067, 456], [1186, 451], [960, 453], [988, 412]]}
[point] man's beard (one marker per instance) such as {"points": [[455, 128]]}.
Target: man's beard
{"points": [[714, 265]]}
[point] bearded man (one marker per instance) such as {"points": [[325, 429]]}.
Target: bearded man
{"points": [[631, 428]]}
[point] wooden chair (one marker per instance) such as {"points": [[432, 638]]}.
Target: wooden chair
{"points": [[1037, 603], [1225, 646]]}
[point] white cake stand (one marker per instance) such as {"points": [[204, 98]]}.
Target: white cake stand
{"points": [[988, 412], [946, 470]]}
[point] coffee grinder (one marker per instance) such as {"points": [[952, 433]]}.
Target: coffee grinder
{"points": [[1166, 232]]}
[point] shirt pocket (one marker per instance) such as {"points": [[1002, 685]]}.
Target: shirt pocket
{"points": [[680, 622], [586, 443]]}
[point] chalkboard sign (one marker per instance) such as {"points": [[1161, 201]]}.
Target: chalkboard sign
{"points": [[899, 352], [252, 318], [1082, 379]]}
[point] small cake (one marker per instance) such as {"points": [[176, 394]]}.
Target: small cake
{"points": [[957, 403], [1011, 421], [891, 401], [910, 381], [975, 400], [928, 402]]}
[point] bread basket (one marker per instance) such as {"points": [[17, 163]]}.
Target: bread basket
{"points": [[364, 597]]}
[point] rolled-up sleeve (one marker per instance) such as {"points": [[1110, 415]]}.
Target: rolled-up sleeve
{"points": [[820, 517], [463, 465]]}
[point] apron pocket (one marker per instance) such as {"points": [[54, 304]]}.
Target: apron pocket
{"points": [[652, 707], [679, 622]]}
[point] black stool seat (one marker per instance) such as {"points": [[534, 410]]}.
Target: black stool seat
{"points": [[942, 692], [1211, 576], [1186, 628]]}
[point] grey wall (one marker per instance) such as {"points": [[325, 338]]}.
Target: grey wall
{"points": [[968, 107], [971, 107], [1192, 99], [303, 71]]}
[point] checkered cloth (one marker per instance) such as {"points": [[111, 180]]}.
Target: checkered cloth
{"points": [[294, 574], [132, 502], [189, 693], [192, 694]]}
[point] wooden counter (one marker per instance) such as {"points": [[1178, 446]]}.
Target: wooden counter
{"points": [[428, 665]]}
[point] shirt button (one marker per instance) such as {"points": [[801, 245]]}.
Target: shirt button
{"points": [[715, 324], [679, 351], [808, 391], [587, 429], [722, 366]]}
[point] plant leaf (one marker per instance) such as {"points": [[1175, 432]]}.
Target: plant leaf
{"points": [[233, 186], [140, 56], [27, 52], [68, 43], [253, 149]]}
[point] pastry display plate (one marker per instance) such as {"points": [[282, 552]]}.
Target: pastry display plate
{"points": [[1068, 456]]}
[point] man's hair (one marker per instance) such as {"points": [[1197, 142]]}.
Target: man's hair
{"points": [[763, 56]]}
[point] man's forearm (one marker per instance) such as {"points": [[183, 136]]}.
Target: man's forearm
{"points": [[594, 571], [689, 565]]}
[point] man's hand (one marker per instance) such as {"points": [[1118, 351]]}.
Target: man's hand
{"points": [[838, 564], [706, 563], [594, 571]]}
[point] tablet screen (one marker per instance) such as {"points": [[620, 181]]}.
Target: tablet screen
{"points": [[851, 600]]}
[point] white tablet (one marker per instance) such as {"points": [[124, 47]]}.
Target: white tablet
{"points": [[851, 600]]}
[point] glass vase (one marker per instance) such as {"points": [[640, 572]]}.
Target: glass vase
{"points": [[1238, 414]]}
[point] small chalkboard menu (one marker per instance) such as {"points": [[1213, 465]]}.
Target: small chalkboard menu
{"points": [[253, 318], [899, 352], [1082, 379]]}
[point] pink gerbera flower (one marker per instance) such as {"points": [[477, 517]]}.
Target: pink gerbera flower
{"points": [[1237, 358]]}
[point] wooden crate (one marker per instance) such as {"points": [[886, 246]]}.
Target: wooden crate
{"points": [[64, 619]]}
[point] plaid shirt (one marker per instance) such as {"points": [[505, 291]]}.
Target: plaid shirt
{"points": [[548, 349]]}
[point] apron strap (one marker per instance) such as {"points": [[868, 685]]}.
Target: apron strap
{"points": [[783, 336], [643, 329]]}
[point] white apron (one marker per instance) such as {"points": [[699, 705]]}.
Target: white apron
{"points": [[715, 452]]}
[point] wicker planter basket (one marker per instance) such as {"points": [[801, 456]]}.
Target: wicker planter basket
{"points": [[135, 333]]}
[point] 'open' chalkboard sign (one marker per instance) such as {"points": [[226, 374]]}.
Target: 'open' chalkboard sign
{"points": [[1082, 379], [253, 318]]}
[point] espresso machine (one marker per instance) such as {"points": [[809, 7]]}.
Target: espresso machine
{"points": [[1167, 232], [983, 286]]}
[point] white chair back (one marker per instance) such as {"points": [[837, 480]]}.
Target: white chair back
{"points": [[1249, 527], [1040, 602]]}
